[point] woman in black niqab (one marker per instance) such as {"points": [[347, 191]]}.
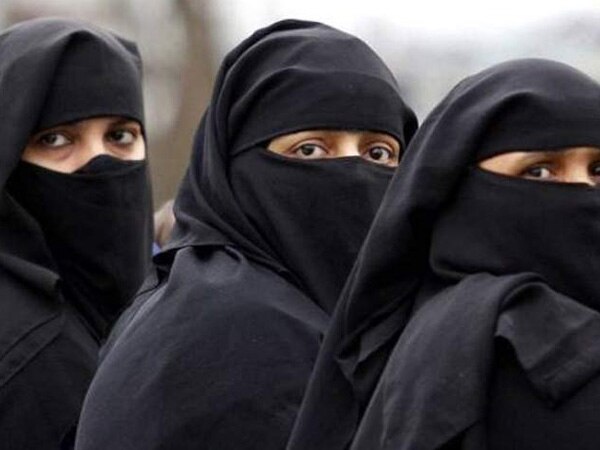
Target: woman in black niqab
{"points": [[218, 354], [471, 319], [74, 246]]}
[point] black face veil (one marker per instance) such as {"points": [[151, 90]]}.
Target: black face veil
{"points": [[93, 227], [304, 219], [444, 219]]}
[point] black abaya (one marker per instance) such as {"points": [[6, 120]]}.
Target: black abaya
{"points": [[217, 355], [53, 316], [460, 261]]}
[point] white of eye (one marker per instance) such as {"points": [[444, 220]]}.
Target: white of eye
{"points": [[538, 172], [54, 140], [309, 151], [122, 137], [379, 154]]}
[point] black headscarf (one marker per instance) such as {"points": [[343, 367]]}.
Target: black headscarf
{"points": [[73, 247], [305, 219], [218, 355], [482, 254]]}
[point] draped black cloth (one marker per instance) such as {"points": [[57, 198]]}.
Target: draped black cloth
{"points": [[461, 263], [217, 355], [74, 248]]}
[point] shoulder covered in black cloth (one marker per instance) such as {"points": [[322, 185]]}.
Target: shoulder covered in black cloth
{"points": [[189, 367]]}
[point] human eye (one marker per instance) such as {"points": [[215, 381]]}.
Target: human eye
{"points": [[595, 172], [122, 136], [381, 154], [537, 172], [308, 150], [53, 140]]}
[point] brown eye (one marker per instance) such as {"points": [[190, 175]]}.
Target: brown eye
{"points": [[122, 137], [309, 151], [595, 172], [537, 172], [380, 155], [595, 169], [53, 140]]}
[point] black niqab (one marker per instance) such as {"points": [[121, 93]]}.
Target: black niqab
{"points": [[219, 353], [513, 225], [314, 214], [482, 255], [53, 71], [83, 216]]}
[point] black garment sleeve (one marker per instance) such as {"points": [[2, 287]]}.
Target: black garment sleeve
{"points": [[40, 404]]}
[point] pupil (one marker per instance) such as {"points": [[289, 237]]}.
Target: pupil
{"points": [[51, 139], [306, 150], [376, 153]]}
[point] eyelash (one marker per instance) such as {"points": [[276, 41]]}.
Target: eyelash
{"points": [[45, 138], [133, 132], [540, 165], [392, 155], [298, 148]]}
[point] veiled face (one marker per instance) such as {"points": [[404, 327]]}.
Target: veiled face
{"points": [[67, 147], [569, 165], [378, 148]]}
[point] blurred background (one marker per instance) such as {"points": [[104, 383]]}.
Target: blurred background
{"points": [[429, 44]]}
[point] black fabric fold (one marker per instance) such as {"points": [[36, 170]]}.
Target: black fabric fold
{"points": [[558, 355]]}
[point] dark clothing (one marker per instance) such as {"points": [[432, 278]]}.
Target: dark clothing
{"points": [[217, 352], [64, 273], [230, 359], [440, 368], [459, 259], [49, 355], [519, 419], [45, 384]]}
